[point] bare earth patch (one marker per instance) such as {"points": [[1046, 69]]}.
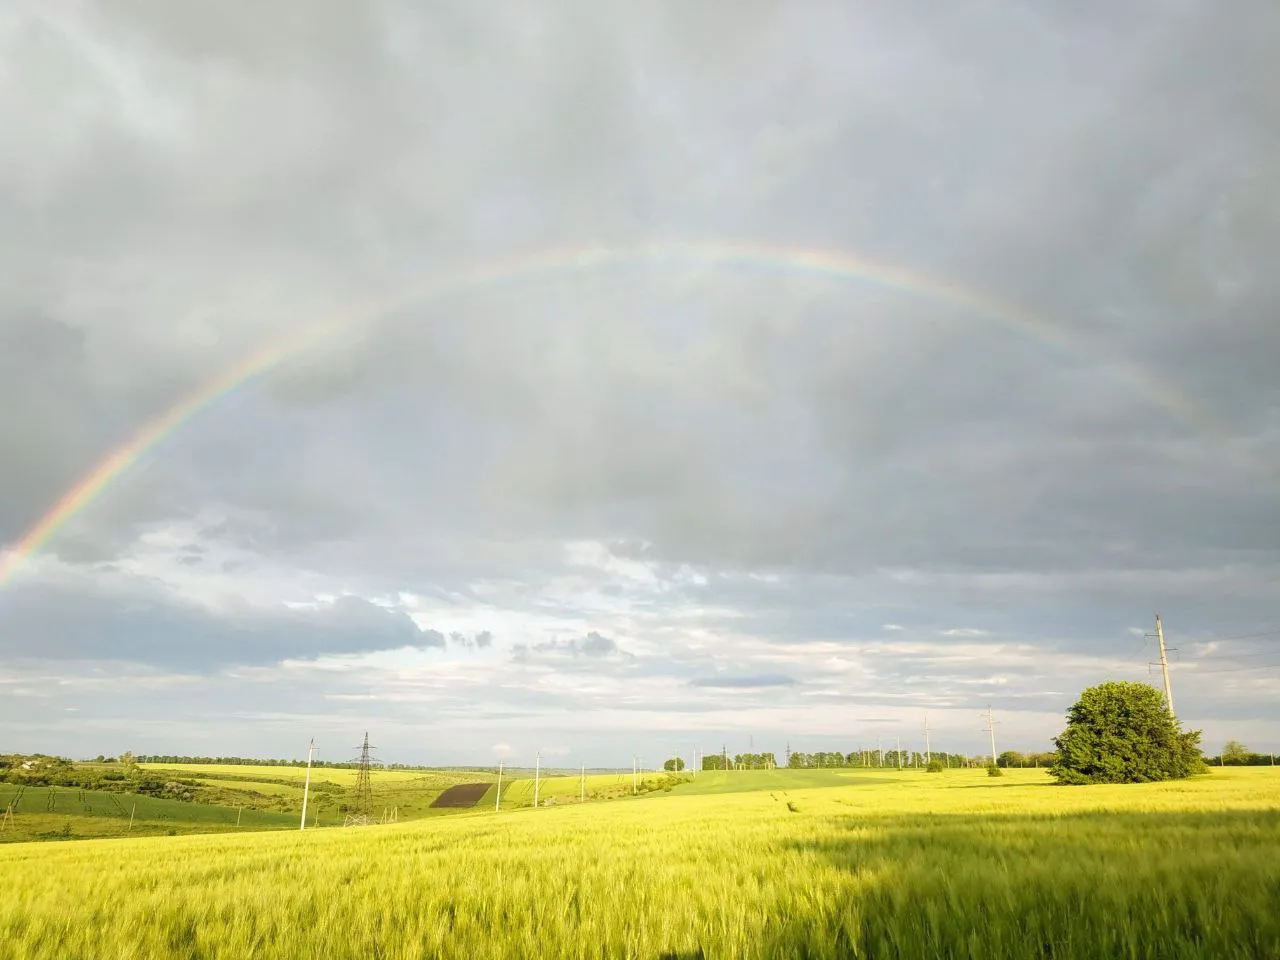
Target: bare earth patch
{"points": [[463, 795]]}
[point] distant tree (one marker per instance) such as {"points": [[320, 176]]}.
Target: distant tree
{"points": [[674, 764], [1121, 732], [1236, 754], [1011, 758]]}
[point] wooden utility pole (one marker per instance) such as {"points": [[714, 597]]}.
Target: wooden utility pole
{"points": [[239, 810], [132, 811], [1164, 665], [306, 785]]}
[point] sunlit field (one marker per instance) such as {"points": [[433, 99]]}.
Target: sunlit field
{"points": [[728, 865]]}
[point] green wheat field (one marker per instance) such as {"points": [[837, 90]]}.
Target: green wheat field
{"points": [[740, 864]]}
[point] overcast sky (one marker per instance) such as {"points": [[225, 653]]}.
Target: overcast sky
{"points": [[637, 503]]}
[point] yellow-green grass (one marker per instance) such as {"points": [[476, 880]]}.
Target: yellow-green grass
{"points": [[897, 865]]}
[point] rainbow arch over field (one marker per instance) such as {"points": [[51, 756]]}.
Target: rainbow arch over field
{"points": [[719, 255]]}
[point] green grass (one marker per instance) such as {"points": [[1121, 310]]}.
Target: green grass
{"points": [[890, 865], [262, 797], [408, 792], [599, 786], [68, 813]]}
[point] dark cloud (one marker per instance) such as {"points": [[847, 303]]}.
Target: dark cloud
{"points": [[82, 622]]}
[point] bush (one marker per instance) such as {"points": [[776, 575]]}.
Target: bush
{"points": [[934, 766], [1122, 732], [994, 771]]}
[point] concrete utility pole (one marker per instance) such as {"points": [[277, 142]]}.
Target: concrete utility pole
{"points": [[306, 785], [899, 751], [928, 755], [497, 800], [537, 775], [991, 728], [1164, 666]]}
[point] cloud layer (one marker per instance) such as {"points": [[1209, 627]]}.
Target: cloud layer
{"points": [[635, 501]]}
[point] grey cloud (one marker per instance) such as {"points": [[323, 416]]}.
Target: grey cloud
{"points": [[744, 682], [480, 641], [180, 186], [593, 645], [145, 625]]}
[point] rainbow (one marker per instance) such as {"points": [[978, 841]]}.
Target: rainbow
{"points": [[835, 264]]}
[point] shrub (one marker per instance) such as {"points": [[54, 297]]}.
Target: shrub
{"points": [[1122, 732], [934, 766], [994, 771]]}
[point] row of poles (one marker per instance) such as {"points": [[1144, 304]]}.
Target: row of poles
{"points": [[637, 768]]}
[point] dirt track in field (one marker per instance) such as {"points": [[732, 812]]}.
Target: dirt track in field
{"points": [[463, 795]]}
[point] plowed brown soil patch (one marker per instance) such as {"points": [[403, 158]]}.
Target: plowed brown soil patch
{"points": [[463, 795]]}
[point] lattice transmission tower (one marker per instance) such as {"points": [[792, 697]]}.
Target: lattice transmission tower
{"points": [[360, 811]]}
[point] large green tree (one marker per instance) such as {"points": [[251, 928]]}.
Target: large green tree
{"points": [[1122, 732], [1236, 753]]}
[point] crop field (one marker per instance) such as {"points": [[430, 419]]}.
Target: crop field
{"points": [[741, 864]]}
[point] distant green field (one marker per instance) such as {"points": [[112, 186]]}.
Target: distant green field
{"points": [[339, 775], [56, 813], [893, 865], [519, 793], [407, 793], [737, 781], [261, 797]]}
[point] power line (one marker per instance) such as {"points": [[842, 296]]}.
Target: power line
{"points": [[1217, 670], [1244, 636]]}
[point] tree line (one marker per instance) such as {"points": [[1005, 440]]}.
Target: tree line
{"points": [[887, 759], [1236, 754]]}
